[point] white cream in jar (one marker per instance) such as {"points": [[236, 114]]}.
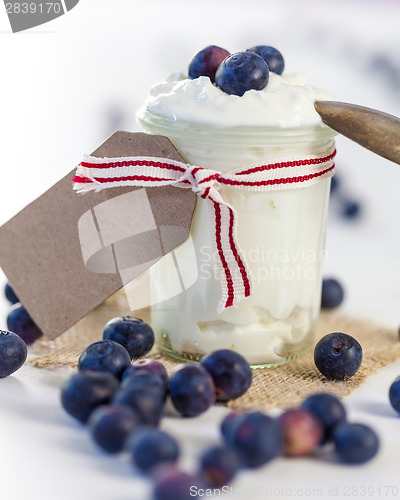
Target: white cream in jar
{"points": [[281, 233]]}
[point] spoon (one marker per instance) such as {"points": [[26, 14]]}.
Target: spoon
{"points": [[377, 131]]}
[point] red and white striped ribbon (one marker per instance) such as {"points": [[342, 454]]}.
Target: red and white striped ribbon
{"points": [[100, 173]]}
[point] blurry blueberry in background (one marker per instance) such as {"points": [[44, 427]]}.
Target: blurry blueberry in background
{"points": [[111, 425], [228, 424], [146, 400], [10, 294], [256, 438], [343, 204], [328, 409], [350, 209], [87, 390], [115, 119], [151, 448], [271, 56], [355, 443], [218, 466], [335, 183], [13, 353], [19, 322], [172, 483], [394, 394], [332, 294]]}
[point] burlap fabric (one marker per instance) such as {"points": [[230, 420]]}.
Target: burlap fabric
{"points": [[283, 386]]}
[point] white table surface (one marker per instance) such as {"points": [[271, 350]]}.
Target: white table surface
{"points": [[66, 85]]}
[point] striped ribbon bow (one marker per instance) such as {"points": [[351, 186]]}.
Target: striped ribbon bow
{"points": [[100, 173]]}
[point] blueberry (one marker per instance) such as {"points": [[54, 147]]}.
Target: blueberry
{"points": [[228, 424], [257, 439], [271, 56], [172, 483], [351, 209], [355, 443], [19, 322], [241, 72], [218, 466], [328, 409], [87, 390], [394, 394], [105, 356], [151, 447], [10, 294], [302, 432], [230, 372], [191, 390], [338, 356], [147, 365], [133, 333], [206, 62], [148, 404], [111, 425], [145, 380], [335, 184], [13, 353], [332, 294]]}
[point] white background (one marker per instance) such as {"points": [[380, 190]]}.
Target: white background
{"points": [[65, 86]]}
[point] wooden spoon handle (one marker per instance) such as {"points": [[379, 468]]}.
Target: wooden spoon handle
{"points": [[376, 131]]}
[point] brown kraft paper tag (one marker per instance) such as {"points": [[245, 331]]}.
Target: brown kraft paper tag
{"points": [[65, 253]]}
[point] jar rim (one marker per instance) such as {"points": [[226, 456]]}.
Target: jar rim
{"points": [[174, 128]]}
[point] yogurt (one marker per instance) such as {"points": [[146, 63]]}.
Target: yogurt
{"points": [[281, 233]]}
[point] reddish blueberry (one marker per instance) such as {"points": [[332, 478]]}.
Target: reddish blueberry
{"points": [[146, 365], [271, 56], [10, 294], [328, 409], [105, 356], [191, 389], [133, 333], [87, 390], [19, 322], [172, 483], [13, 353], [206, 62], [257, 439], [230, 372], [338, 356], [355, 443], [145, 380], [302, 432], [241, 72], [111, 425], [332, 294], [218, 466], [151, 447]]}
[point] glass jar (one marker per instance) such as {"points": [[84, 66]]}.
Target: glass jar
{"points": [[281, 234]]}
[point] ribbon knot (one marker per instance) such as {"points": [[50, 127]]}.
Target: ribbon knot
{"points": [[203, 180], [100, 173]]}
